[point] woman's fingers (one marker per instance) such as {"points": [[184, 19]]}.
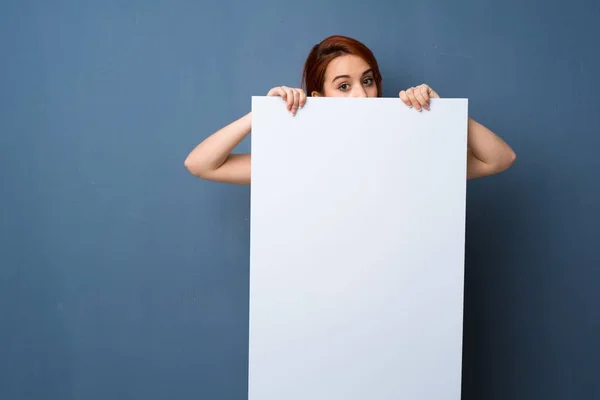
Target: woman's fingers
{"points": [[422, 97], [294, 98], [276, 91], [289, 97], [418, 97], [302, 99], [413, 99], [404, 98]]}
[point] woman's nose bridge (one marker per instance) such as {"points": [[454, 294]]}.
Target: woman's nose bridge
{"points": [[359, 91]]}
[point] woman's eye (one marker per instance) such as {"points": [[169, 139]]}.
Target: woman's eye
{"points": [[368, 81], [344, 86]]}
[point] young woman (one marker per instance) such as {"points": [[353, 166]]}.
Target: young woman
{"points": [[339, 66]]}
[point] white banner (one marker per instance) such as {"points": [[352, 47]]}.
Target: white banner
{"points": [[357, 250]]}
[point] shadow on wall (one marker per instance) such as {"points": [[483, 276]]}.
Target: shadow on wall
{"points": [[495, 240]]}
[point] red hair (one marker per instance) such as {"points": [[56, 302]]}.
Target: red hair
{"points": [[313, 76]]}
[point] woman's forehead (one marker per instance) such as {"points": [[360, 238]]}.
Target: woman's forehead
{"points": [[350, 65]]}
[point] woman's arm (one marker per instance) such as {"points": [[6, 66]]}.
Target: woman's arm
{"points": [[212, 159], [487, 154]]}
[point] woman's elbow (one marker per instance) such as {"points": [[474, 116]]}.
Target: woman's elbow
{"points": [[507, 161], [194, 167], [511, 158]]}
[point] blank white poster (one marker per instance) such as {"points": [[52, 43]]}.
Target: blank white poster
{"points": [[357, 250]]}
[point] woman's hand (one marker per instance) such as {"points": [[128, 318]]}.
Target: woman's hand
{"points": [[295, 98], [487, 154], [418, 97]]}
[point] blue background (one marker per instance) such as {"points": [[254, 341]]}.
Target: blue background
{"points": [[122, 276]]}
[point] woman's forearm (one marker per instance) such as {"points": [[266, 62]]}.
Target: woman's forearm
{"points": [[212, 153], [212, 158]]}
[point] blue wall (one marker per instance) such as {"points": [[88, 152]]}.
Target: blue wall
{"points": [[121, 276]]}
